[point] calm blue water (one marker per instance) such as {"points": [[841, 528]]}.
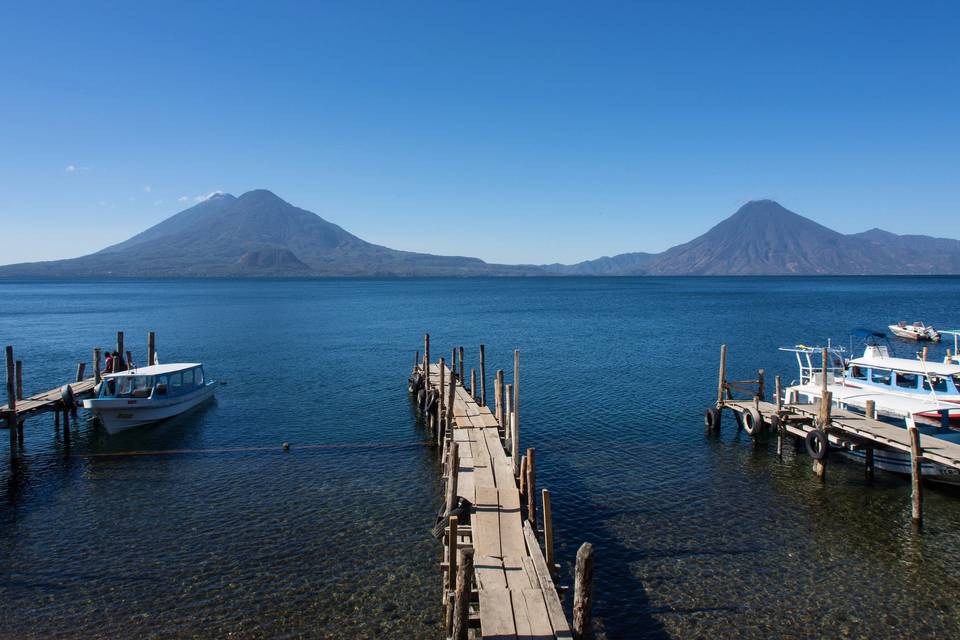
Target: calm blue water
{"points": [[219, 532]]}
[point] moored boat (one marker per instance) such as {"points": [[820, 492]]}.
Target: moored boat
{"points": [[149, 394], [916, 331]]}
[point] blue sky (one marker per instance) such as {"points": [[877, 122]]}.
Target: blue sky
{"points": [[515, 132]]}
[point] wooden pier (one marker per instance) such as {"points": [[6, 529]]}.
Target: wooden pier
{"points": [[60, 401], [822, 426], [497, 579]]}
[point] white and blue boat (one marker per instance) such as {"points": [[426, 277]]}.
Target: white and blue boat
{"points": [[904, 392], [149, 394]]}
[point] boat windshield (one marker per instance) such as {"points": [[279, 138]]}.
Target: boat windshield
{"points": [[127, 387]]}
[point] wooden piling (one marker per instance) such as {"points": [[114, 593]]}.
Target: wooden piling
{"points": [[483, 377], [81, 368], [441, 404], [923, 354], [548, 531], [120, 343], [19, 372], [778, 390], [11, 417], [761, 386], [416, 360], [461, 601], [453, 365], [522, 487], [871, 409], [451, 583], [426, 360], [532, 487], [451, 395], [498, 400], [151, 348], [453, 473], [916, 479], [723, 374], [501, 412], [460, 362], [583, 593], [473, 383], [508, 415], [97, 376], [515, 405]]}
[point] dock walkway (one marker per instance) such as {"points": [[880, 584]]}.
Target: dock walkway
{"points": [[513, 593]]}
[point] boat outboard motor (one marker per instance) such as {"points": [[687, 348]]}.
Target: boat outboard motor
{"points": [[462, 511]]}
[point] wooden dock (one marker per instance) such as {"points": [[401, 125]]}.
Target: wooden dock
{"points": [[60, 401], [823, 426], [498, 582]]}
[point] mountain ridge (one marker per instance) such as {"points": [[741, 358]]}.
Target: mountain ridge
{"points": [[259, 234]]}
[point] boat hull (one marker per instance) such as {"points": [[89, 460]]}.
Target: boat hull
{"points": [[897, 462], [120, 414]]}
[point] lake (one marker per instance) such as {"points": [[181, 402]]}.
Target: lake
{"points": [[203, 526]]}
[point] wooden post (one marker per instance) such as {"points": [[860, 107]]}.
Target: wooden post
{"points": [[426, 359], [501, 413], [151, 349], [120, 343], [532, 488], [823, 373], [924, 354], [761, 387], [583, 593], [441, 405], [473, 383], [515, 405], [416, 360], [129, 360], [81, 368], [19, 368], [778, 389], [461, 602], [514, 434], [453, 365], [11, 402], [96, 366], [548, 531], [916, 479], [497, 399], [483, 377], [723, 374], [460, 361], [451, 395], [523, 476], [453, 473], [452, 553], [871, 409]]}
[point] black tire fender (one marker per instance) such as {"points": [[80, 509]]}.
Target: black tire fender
{"points": [[817, 444], [752, 422], [711, 419]]}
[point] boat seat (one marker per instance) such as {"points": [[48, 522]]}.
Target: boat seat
{"points": [[141, 393]]}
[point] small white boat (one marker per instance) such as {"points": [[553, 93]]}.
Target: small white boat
{"points": [[916, 331], [149, 394]]}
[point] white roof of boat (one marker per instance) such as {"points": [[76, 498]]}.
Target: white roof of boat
{"points": [[907, 364], [896, 405], [157, 369]]}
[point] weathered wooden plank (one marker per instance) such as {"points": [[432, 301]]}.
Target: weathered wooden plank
{"points": [[538, 618], [558, 619], [512, 541], [515, 573], [496, 614], [490, 572], [486, 522], [521, 617]]}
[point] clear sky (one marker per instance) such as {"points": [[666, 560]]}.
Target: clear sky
{"points": [[515, 132]]}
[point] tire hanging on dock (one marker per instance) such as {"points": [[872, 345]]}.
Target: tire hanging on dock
{"points": [[817, 444], [752, 422], [711, 419]]}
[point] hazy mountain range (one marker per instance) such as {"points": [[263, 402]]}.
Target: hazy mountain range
{"points": [[261, 235]]}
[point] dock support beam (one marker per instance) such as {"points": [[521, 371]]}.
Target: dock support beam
{"points": [[119, 347], [548, 532], [460, 361], [96, 366], [461, 601], [723, 374], [451, 584], [483, 376], [515, 415], [532, 488], [81, 369], [426, 361], [473, 383], [916, 479], [583, 593], [151, 348], [11, 416], [868, 463], [441, 406]]}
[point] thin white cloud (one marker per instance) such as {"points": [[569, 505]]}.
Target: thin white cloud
{"points": [[147, 189], [200, 198], [157, 203], [75, 168]]}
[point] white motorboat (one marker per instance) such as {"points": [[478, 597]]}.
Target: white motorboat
{"points": [[904, 392], [149, 394], [916, 331]]}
